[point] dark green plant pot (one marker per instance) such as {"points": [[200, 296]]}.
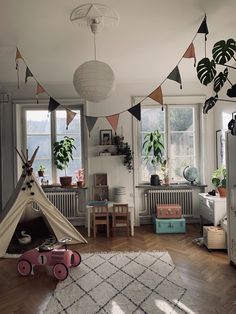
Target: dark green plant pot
{"points": [[155, 180]]}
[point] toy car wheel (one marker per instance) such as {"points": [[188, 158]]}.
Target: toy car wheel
{"points": [[60, 271], [76, 259], [24, 267]]}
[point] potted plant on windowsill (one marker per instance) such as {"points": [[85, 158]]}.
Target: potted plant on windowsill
{"points": [[218, 179], [41, 171], [62, 154], [153, 149]]}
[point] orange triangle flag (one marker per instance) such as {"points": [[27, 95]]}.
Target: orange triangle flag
{"points": [[39, 89], [190, 53], [157, 95], [113, 120], [69, 117]]}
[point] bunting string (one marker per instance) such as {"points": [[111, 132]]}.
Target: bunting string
{"points": [[135, 111]]}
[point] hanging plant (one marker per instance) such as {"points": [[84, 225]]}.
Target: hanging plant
{"points": [[210, 103], [128, 157], [222, 52], [123, 148], [206, 71], [219, 80]]}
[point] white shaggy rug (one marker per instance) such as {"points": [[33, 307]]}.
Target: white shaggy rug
{"points": [[122, 283]]}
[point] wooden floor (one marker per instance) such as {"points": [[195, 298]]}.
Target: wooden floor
{"points": [[208, 276]]}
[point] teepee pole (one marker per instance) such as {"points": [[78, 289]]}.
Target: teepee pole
{"points": [[24, 155], [33, 156], [20, 155]]}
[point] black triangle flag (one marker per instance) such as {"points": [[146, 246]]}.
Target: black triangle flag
{"points": [[175, 76], [53, 104], [203, 29], [28, 73], [136, 111], [90, 122]]}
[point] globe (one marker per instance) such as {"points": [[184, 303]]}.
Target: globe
{"points": [[190, 173]]}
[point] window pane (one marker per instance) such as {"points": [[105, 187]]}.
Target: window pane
{"points": [[38, 122], [153, 119], [44, 143], [181, 119], [182, 144], [38, 133]]}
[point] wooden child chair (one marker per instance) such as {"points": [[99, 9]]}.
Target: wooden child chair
{"points": [[100, 216], [121, 217]]}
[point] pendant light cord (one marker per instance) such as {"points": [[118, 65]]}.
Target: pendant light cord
{"points": [[94, 43]]}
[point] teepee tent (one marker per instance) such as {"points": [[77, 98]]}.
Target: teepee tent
{"points": [[29, 200]]}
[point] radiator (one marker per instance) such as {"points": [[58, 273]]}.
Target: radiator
{"points": [[66, 202], [182, 197]]}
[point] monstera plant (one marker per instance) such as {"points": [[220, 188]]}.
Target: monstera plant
{"points": [[211, 70]]}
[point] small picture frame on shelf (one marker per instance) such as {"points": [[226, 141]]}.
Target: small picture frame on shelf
{"points": [[105, 137]]}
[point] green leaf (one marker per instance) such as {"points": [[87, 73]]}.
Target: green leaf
{"points": [[206, 70], [220, 79], [223, 50], [210, 103]]}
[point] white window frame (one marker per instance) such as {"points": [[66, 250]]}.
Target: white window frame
{"points": [[180, 101], [21, 131]]}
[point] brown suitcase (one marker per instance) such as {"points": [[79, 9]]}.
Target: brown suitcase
{"points": [[168, 211]]}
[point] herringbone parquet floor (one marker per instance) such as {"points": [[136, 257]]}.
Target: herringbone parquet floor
{"points": [[208, 276]]}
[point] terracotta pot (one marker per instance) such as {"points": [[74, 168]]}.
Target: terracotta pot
{"points": [[65, 181], [222, 191], [80, 184], [41, 173]]}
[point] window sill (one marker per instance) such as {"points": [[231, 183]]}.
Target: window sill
{"points": [[58, 188], [171, 186]]}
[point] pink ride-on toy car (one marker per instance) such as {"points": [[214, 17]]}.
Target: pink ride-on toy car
{"points": [[60, 259]]}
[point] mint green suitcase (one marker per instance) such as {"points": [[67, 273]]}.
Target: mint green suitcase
{"points": [[170, 225]]}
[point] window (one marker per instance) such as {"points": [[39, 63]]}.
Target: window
{"points": [[178, 125], [42, 129]]}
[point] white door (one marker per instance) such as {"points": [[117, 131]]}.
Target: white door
{"points": [[231, 195]]}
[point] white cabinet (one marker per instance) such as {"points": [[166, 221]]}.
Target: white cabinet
{"points": [[212, 208]]}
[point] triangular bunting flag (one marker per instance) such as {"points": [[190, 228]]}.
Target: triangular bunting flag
{"points": [[28, 73], [190, 53], [113, 120], [175, 76], [136, 111], [69, 117], [18, 56], [53, 104], [90, 121], [39, 90], [203, 29], [157, 95]]}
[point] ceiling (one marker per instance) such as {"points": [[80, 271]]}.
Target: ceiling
{"points": [[146, 45]]}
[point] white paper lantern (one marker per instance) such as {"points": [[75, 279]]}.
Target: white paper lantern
{"points": [[94, 80]]}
